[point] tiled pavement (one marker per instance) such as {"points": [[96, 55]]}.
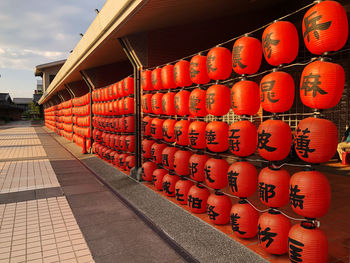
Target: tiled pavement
{"points": [[53, 209]]}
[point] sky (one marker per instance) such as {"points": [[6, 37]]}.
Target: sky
{"points": [[34, 32]]}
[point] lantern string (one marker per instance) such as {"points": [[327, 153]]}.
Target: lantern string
{"points": [[235, 38]]}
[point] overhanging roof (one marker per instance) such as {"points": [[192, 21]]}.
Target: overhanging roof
{"points": [[40, 68], [100, 45]]}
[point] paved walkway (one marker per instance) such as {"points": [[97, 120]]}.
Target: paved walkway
{"points": [[53, 209]]}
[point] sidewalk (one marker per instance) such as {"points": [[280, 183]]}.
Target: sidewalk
{"points": [[53, 209]]}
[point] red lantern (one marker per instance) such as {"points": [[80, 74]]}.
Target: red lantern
{"points": [[168, 157], [120, 107], [156, 152], [218, 100], [197, 199], [181, 132], [274, 187], [196, 134], [245, 98], [168, 80], [322, 84], [121, 88], [218, 208], [215, 171], [122, 158], [181, 101], [168, 130], [157, 79], [129, 162], [198, 69], [310, 194], [246, 55], [129, 86], [196, 166], [116, 159], [244, 219], [306, 243], [280, 43], [273, 228], [182, 74], [157, 103], [157, 128], [243, 138], [129, 124], [146, 80], [146, 103], [197, 103], [122, 145], [181, 160], [274, 140], [147, 171], [130, 143], [325, 27], [219, 63], [181, 188], [168, 103], [216, 136], [146, 125], [242, 179], [277, 92], [316, 140], [169, 181], [158, 176], [146, 148]]}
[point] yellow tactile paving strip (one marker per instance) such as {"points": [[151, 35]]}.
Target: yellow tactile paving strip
{"points": [[26, 175], [43, 230]]}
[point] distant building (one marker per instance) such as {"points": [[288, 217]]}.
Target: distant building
{"points": [[8, 110], [39, 90], [5, 98], [22, 103], [48, 72]]}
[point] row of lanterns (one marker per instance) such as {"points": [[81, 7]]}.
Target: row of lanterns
{"points": [[118, 142], [122, 106], [117, 90], [121, 124]]}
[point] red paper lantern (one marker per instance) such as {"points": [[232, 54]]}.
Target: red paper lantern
{"points": [[146, 148], [122, 158], [274, 187], [182, 74], [198, 69], [168, 157], [197, 199], [273, 228], [130, 162], [244, 220], [280, 43], [169, 181], [129, 86], [181, 101], [157, 103], [242, 179], [325, 27], [277, 92], [168, 130], [121, 88], [147, 171], [246, 55], [129, 123], [181, 160], [322, 84], [129, 143], [156, 152], [116, 159], [146, 125], [218, 208], [196, 166], [245, 98], [122, 145], [216, 136], [120, 107], [157, 79], [197, 103], [181, 132], [306, 243], [168, 103], [168, 80], [146, 103], [310, 194], [217, 100], [158, 176], [157, 128], [196, 134], [146, 80], [316, 140], [215, 171], [181, 191], [274, 140], [243, 138], [219, 63]]}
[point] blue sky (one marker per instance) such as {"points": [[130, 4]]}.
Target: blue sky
{"points": [[34, 32]]}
